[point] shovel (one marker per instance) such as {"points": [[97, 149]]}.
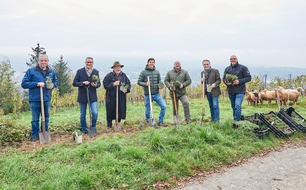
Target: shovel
{"points": [[177, 119], [152, 121], [92, 130], [203, 98], [44, 136], [117, 124]]}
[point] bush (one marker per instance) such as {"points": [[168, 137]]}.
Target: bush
{"points": [[11, 133]]}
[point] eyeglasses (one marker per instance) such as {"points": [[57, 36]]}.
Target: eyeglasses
{"points": [[233, 58], [206, 64], [89, 62]]}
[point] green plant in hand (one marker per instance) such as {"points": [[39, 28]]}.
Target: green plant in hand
{"points": [[177, 83], [124, 87], [230, 77], [48, 82], [161, 84], [172, 85], [95, 78]]}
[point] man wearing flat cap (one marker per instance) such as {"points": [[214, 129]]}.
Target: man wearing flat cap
{"points": [[112, 81]]}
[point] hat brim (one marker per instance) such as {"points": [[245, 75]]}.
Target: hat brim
{"points": [[117, 65]]}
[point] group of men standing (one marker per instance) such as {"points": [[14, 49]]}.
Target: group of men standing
{"points": [[117, 85]]}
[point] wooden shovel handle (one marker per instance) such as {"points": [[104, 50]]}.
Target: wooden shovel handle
{"points": [[203, 98], [117, 102], [174, 102], [150, 98], [42, 110]]}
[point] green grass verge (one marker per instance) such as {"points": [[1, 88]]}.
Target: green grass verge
{"points": [[138, 160]]}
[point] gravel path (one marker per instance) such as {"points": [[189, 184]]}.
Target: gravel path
{"points": [[283, 170]]}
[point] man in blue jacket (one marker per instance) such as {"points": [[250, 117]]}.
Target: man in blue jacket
{"points": [[235, 76], [33, 79], [87, 78]]}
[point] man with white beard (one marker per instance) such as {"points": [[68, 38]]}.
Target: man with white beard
{"points": [[112, 81]]}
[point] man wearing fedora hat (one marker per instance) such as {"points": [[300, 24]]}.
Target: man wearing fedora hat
{"points": [[112, 81], [84, 80]]}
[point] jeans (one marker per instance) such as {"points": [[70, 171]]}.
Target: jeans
{"points": [[236, 101], [94, 115], [185, 103], [214, 107], [36, 112], [160, 101]]}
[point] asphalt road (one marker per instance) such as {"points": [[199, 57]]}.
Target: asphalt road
{"points": [[283, 170]]}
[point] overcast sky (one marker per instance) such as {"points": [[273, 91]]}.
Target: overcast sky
{"points": [[259, 32]]}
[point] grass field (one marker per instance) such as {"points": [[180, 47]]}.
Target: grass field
{"points": [[144, 159]]}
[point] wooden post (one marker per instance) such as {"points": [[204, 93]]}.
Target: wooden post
{"points": [[133, 93]]}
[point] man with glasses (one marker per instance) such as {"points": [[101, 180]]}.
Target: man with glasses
{"points": [[212, 80], [87, 80], [235, 76]]}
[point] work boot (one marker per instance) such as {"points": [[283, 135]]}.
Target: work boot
{"points": [[84, 131], [162, 124], [33, 139], [109, 124], [188, 121]]}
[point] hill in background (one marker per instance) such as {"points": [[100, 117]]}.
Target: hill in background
{"points": [[133, 67]]}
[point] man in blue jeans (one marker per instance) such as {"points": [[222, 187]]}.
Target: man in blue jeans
{"points": [[87, 78], [155, 84], [212, 82], [34, 79], [235, 76]]}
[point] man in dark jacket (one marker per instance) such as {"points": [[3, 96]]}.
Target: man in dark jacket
{"points": [[235, 76], [212, 89], [177, 81], [35, 78], [87, 79], [155, 83], [112, 81]]}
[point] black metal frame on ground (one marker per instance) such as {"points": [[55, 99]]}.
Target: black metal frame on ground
{"points": [[278, 132]]}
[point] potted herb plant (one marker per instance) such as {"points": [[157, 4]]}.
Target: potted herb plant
{"points": [[230, 78], [123, 87], [161, 85], [177, 83], [95, 78], [49, 83], [77, 136]]}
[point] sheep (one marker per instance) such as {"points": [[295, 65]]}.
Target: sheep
{"points": [[268, 95], [301, 91], [288, 95], [252, 98]]}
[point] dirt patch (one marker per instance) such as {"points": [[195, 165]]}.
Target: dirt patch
{"points": [[66, 138]]}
